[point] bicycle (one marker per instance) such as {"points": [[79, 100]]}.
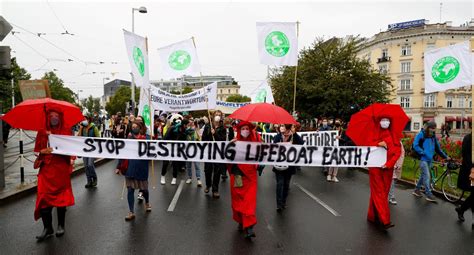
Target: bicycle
{"points": [[448, 178]]}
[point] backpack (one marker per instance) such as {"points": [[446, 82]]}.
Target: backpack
{"points": [[413, 152]]}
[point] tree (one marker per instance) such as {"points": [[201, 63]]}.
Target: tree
{"points": [[237, 98], [17, 73], [57, 88], [92, 104], [331, 81], [118, 102], [185, 90]]}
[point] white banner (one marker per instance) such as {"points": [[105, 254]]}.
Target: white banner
{"points": [[138, 58], [312, 138], [448, 68], [263, 94], [218, 152], [277, 43], [229, 107], [179, 59], [194, 101]]}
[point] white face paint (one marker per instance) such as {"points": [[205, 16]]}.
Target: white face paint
{"points": [[384, 123]]}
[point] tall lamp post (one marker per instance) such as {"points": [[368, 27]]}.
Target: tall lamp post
{"points": [[142, 9]]}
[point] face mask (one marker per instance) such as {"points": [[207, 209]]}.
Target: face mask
{"points": [[217, 118], [325, 124], [245, 133], [135, 131], [85, 123], [54, 121], [384, 124]]}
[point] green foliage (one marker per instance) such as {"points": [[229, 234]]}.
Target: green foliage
{"points": [[57, 88], [330, 80], [92, 104], [187, 90], [238, 98], [118, 103], [17, 73]]}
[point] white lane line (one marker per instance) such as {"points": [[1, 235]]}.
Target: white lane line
{"points": [[311, 195], [176, 197]]}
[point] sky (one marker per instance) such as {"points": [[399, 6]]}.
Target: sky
{"points": [[224, 31]]}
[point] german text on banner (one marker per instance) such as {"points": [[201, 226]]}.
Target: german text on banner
{"points": [[448, 67], [179, 59], [312, 138], [138, 58], [218, 152], [277, 43], [263, 94], [229, 107], [193, 101]]}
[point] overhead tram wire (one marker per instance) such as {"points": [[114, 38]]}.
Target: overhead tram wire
{"points": [[59, 20]]}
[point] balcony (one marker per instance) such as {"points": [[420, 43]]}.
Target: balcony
{"points": [[383, 59]]}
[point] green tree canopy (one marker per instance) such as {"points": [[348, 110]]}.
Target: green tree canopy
{"points": [[118, 102], [57, 88], [331, 81], [17, 73], [92, 104], [237, 98]]}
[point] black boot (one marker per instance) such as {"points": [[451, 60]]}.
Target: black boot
{"points": [[47, 219], [88, 184], [249, 233], [460, 212], [94, 182], [61, 219]]}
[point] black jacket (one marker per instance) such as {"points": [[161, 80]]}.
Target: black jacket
{"points": [[219, 135], [464, 182], [296, 140]]}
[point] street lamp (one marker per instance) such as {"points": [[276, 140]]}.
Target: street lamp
{"points": [[78, 98], [142, 9]]}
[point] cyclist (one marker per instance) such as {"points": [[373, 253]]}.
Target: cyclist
{"points": [[426, 145]]}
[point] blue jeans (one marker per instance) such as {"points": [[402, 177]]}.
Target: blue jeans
{"points": [[283, 179], [424, 177], [90, 168], [189, 167], [391, 193], [131, 198]]}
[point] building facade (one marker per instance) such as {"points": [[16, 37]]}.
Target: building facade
{"points": [[226, 85], [111, 87], [399, 54]]}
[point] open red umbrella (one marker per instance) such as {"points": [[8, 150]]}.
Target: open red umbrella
{"points": [[31, 114], [364, 126], [263, 112]]}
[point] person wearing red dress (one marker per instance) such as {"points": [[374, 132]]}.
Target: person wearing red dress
{"points": [[54, 177], [381, 177], [243, 184]]}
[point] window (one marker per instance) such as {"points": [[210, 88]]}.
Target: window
{"points": [[461, 101], [405, 102], [406, 50], [405, 84], [228, 90], [383, 69], [406, 67], [449, 101], [430, 46], [430, 100], [384, 53], [470, 102]]}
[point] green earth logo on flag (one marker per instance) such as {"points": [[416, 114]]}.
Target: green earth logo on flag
{"points": [[179, 60], [146, 115], [139, 60], [277, 44], [261, 96], [445, 69]]}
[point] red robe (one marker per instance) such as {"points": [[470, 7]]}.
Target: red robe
{"points": [[54, 177], [244, 199], [381, 180]]}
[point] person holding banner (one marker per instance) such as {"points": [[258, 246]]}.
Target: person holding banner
{"points": [[54, 178], [381, 177], [466, 178], [192, 135], [136, 176], [244, 196], [283, 173], [177, 132], [213, 171], [89, 129]]}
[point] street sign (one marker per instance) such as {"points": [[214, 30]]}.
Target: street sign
{"points": [[5, 28], [34, 89]]}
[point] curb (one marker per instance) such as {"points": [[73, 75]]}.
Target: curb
{"points": [[31, 188]]}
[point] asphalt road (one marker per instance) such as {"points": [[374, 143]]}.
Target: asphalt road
{"points": [[200, 224]]}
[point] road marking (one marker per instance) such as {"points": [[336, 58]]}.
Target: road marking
{"points": [[311, 195], [176, 197]]}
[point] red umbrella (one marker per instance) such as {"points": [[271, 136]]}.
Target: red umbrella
{"points": [[31, 114], [364, 126], [263, 112]]}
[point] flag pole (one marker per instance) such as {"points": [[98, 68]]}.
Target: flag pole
{"points": [[472, 109], [296, 69], [153, 181], [207, 99]]}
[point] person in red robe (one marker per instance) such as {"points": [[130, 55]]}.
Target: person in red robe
{"points": [[381, 177], [243, 184], [54, 177]]}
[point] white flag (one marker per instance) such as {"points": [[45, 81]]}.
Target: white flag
{"points": [[263, 94], [138, 57], [448, 68], [277, 43], [145, 109], [179, 59]]}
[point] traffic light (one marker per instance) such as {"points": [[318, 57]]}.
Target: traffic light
{"points": [[5, 57]]}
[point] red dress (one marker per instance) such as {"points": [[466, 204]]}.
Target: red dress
{"points": [[54, 177], [244, 199], [381, 180]]}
